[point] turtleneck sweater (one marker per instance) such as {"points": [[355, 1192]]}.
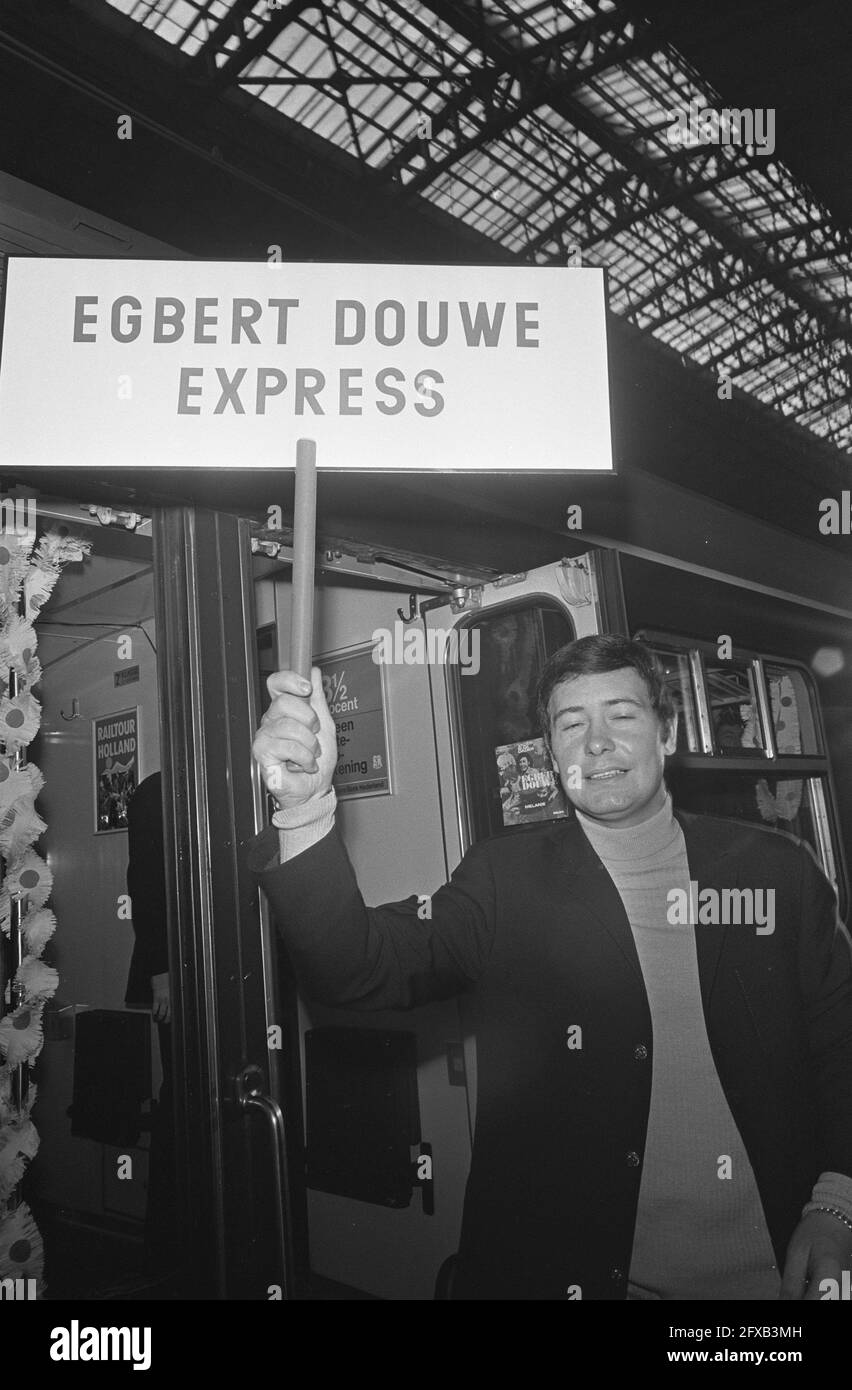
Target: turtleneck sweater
{"points": [[700, 1229]]}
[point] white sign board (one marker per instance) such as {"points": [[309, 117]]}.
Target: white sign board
{"points": [[124, 363]]}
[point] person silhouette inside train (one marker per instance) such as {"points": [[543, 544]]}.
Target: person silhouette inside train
{"points": [[148, 988], [664, 1100]]}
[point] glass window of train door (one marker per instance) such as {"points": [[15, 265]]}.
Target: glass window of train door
{"points": [[493, 710]]}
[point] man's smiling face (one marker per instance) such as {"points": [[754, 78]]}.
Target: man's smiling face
{"points": [[605, 727]]}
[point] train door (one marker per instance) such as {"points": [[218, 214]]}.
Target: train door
{"points": [[386, 1124], [493, 769]]}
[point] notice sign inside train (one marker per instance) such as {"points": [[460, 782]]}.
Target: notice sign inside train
{"points": [[354, 690], [199, 364]]}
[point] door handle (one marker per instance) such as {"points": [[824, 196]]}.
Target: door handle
{"points": [[250, 1096]]}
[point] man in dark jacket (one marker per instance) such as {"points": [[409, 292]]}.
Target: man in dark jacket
{"points": [[662, 1005], [148, 979], [148, 988]]}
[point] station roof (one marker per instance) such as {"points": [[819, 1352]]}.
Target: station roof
{"points": [[565, 133]]}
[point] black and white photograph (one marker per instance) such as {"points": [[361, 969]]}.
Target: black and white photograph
{"points": [[425, 674]]}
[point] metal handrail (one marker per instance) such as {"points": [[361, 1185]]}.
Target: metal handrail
{"points": [[249, 1095]]}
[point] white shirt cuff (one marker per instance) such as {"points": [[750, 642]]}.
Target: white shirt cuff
{"points": [[305, 825]]}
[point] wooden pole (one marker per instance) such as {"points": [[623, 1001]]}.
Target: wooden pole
{"points": [[304, 557]]}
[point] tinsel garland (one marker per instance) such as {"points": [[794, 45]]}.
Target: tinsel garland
{"points": [[27, 579]]}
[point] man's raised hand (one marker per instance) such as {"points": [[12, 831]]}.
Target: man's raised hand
{"points": [[296, 744]]}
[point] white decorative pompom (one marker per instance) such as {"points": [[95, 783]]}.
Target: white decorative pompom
{"points": [[28, 876], [18, 1146], [19, 720], [38, 927], [38, 587], [17, 648], [54, 549], [36, 778], [39, 980], [21, 1036], [19, 828], [21, 1248], [13, 567], [15, 784]]}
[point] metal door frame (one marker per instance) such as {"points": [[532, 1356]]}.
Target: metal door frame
{"points": [[235, 1192]]}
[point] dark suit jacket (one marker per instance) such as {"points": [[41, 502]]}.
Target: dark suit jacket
{"points": [[533, 927], [146, 884]]}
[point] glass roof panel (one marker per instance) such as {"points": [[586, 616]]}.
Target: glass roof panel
{"points": [[551, 131]]}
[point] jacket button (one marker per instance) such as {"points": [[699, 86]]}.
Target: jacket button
{"points": [[640, 1052], [633, 1159], [616, 1275]]}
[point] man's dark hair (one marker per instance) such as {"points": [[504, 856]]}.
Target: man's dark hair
{"points": [[594, 656]]}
